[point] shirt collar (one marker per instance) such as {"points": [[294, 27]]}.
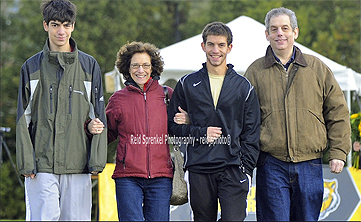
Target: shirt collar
{"points": [[289, 61]]}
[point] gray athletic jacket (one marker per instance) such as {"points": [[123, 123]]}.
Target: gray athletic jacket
{"points": [[58, 93]]}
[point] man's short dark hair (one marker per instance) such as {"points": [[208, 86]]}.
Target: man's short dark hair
{"points": [[58, 10], [217, 28]]}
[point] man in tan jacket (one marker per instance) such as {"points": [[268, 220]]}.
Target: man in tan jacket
{"points": [[303, 112]]}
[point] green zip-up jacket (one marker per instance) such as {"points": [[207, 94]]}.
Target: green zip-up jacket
{"points": [[303, 110], [58, 93]]}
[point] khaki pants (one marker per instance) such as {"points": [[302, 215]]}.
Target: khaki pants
{"points": [[58, 197]]}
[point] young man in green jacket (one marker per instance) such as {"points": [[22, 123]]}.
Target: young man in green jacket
{"points": [[303, 110], [60, 91]]}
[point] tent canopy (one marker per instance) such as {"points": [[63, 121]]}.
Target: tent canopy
{"points": [[249, 44]]}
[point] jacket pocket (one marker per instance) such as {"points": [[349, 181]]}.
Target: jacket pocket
{"points": [[96, 95], [70, 94], [122, 159], [311, 132], [273, 132], [51, 98]]}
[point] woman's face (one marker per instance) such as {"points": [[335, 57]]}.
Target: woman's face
{"points": [[140, 68]]}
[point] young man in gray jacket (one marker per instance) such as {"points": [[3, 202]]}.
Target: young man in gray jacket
{"points": [[303, 111], [60, 91]]}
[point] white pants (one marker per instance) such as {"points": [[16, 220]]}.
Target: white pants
{"points": [[58, 197]]}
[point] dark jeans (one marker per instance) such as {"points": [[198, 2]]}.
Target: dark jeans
{"points": [[229, 186], [140, 199], [289, 191]]}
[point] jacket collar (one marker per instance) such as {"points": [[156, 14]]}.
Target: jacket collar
{"points": [[61, 58], [229, 66], [132, 85], [271, 60]]}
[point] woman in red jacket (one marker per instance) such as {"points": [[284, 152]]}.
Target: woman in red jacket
{"points": [[137, 116]]}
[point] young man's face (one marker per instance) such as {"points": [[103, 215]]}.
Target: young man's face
{"points": [[216, 49], [280, 34], [59, 35]]}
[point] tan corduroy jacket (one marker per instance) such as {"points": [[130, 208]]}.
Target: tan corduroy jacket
{"points": [[303, 110]]}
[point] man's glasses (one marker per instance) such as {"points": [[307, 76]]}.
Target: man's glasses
{"points": [[144, 66]]}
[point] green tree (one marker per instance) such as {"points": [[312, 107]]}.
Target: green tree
{"points": [[101, 28], [329, 27]]}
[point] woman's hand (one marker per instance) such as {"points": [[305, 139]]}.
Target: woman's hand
{"points": [[181, 117], [95, 126]]}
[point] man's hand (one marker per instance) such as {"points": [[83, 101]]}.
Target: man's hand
{"points": [[336, 166], [95, 126], [356, 146], [29, 175], [213, 133]]}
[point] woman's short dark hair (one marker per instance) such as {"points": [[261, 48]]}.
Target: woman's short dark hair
{"points": [[126, 52], [58, 10]]}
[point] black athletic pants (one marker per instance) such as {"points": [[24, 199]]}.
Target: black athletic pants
{"points": [[230, 186]]}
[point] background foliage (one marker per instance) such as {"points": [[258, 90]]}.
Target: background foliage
{"points": [[329, 27]]}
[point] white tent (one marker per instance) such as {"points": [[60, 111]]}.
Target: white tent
{"points": [[249, 44]]}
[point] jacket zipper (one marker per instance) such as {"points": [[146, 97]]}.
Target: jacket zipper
{"points": [[51, 98], [147, 130], [96, 101], [70, 92], [125, 154], [96, 93]]}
